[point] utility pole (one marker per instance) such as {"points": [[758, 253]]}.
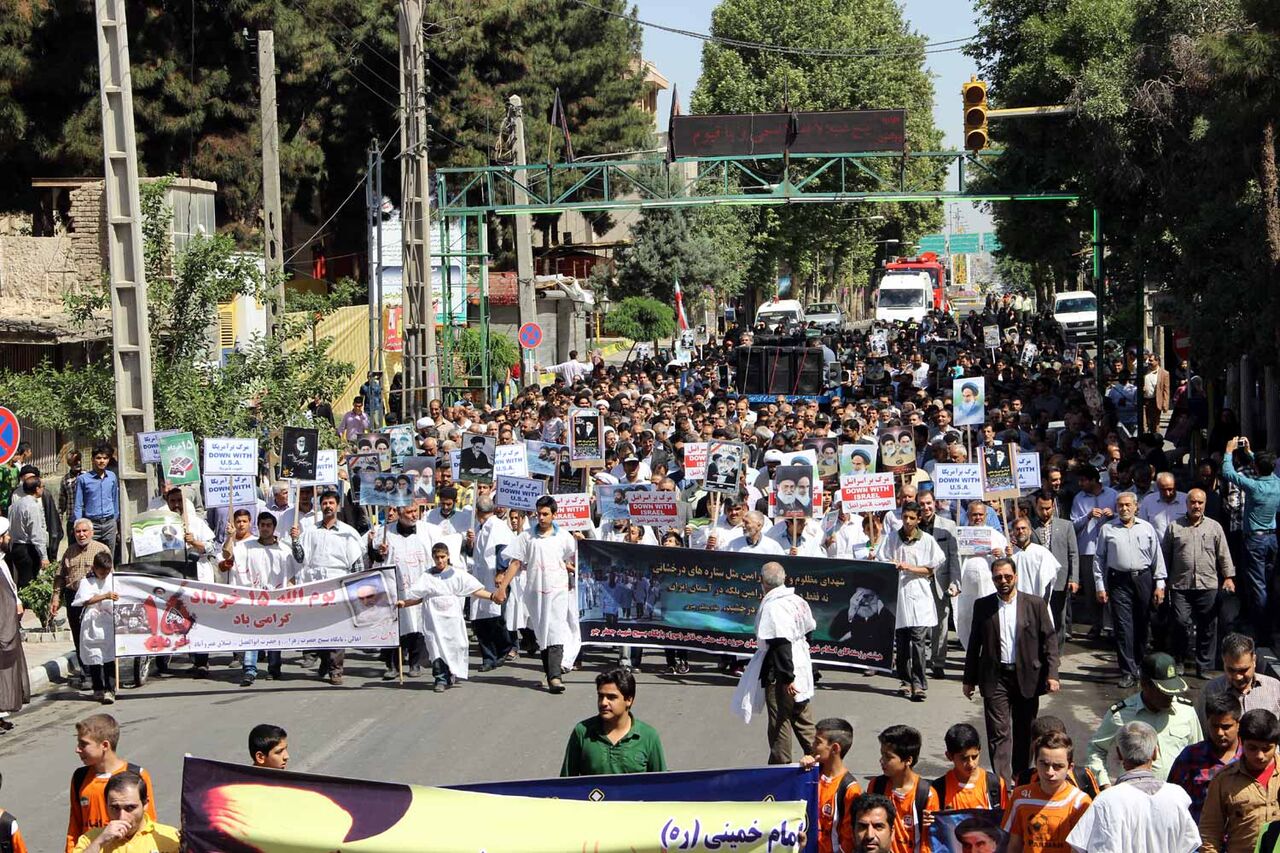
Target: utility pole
{"points": [[524, 241], [422, 372], [273, 241], [130, 325], [373, 216]]}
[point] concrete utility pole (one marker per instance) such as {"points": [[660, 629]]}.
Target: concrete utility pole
{"points": [[373, 216], [524, 240], [422, 370], [130, 326], [272, 236]]}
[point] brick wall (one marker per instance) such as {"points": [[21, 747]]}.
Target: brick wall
{"points": [[88, 231]]}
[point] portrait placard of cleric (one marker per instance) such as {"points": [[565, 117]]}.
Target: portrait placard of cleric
{"points": [[475, 461], [299, 448]]}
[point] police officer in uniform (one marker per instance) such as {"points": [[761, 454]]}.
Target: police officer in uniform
{"points": [[1159, 703]]}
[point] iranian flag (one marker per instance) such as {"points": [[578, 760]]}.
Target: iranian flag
{"points": [[681, 319]]}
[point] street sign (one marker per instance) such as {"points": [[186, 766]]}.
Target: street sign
{"points": [[1182, 344], [933, 243], [530, 335], [990, 242], [964, 244], [10, 434]]}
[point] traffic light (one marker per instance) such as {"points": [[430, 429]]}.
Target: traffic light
{"points": [[975, 114]]}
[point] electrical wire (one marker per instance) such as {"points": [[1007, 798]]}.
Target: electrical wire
{"points": [[318, 232], [929, 47]]}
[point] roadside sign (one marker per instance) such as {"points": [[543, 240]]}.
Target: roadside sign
{"points": [[990, 242], [932, 243], [964, 244], [1182, 344], [10, 434], [530, 335]]}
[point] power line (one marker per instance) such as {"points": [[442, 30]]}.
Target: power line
{"points": [[929, 47], [320, 231]]}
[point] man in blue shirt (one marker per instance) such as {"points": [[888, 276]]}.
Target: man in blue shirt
{"points": [[1261, 503], [98, 498]]}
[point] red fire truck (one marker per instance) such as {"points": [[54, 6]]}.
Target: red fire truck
{"points": [[930, 263]]}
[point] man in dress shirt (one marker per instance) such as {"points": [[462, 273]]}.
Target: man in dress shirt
{"points": [[1128, 564], [1199, 562], [1093, 506], [943, 532], [1058, 535], [1241, 679], [1012, 659], [1163, 505], [917, 557], [98, 498], [1261, 505], [753, 540]]}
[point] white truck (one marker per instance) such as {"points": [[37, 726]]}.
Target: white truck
{"points": [[1077, 313], [904, 296]]}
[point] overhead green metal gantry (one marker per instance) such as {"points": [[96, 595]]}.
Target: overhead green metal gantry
{"points": [[772, 179]]}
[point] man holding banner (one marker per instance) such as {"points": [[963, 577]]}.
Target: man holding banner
{"points": [[332, 549], [265, 563], [485, 544], [407, 546]]}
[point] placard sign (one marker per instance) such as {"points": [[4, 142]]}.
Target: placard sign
{"points": [[658, 508], [999, 470], [511, 460], [573, 511], [520, 493], [973, 541], [216, 490], [1029, 471], [178, 463], [867, 492], [991, 337], [149, 445], [957, 480], [695, 460], [225, 456]]}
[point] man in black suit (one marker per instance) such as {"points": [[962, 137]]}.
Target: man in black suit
{"points": [[1013, 660], [1059, 536]]}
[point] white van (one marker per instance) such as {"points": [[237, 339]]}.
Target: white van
{"points": [[904, 296], [1077, 313], [786, 312]]}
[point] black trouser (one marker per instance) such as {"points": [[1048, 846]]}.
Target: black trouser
{"points": [[1196, 611], [1130, 597], [1008, 715], [414, 647], [493, 639], [553, 661], [1060, 608], [331, 662], [910, 648], [105, 531], [103, 676], [26, 559]]}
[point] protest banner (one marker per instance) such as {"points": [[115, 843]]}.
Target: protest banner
{"points": [[790, 495], [475, 459], [968, 831], [957, 480], [232, 806], [969, 401], [725, 463], [612, 502], [867, 492], [387, 489], [160, 615], [361, 467], [149, 445], [991, 337], [586, 438], [897, 450], [660, 508], [857, 458], [298, 453], [573, 511], [1029, 353], [218, 491], [707, 600], [156, 530], [999, 470], [510, 460], [179, 463], [226, 456], [972, 541], [695, 460], [520, 493], [542, 457], [1029, 470], [807, 458]]}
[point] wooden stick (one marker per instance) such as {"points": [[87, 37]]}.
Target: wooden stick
{"points": [[400, 661]]}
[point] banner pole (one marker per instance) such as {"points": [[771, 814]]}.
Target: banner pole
{"points": [[115, 656], [400, 661]]}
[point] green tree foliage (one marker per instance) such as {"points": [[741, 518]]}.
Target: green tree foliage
{"points": [[195, 91], [1172, 101], [737, 80], [705, 248], [640, 318]]}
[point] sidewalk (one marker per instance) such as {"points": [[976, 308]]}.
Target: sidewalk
{"points": [[49, 656]]}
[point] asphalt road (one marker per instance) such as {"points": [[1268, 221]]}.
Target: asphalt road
{"points": [[498, 726]]}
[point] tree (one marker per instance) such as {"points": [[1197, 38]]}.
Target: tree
{"points": [[890, 75], [706, 249], [639, 318]]}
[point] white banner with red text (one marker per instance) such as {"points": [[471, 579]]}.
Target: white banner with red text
{"points": [[162, 615]]}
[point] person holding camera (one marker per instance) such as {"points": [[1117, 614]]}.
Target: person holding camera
{"points": [[1261, 504]]}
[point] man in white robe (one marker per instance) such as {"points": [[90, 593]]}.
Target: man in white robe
{"points": [[549, 556], [331, 549], [264, 563], [799, 537], [491, 534], [407, 546], [1037, 567], [917, 556], [975, 574], [780, 673]]}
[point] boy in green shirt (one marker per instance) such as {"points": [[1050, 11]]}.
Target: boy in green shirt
{"points": [[613, 741]]}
